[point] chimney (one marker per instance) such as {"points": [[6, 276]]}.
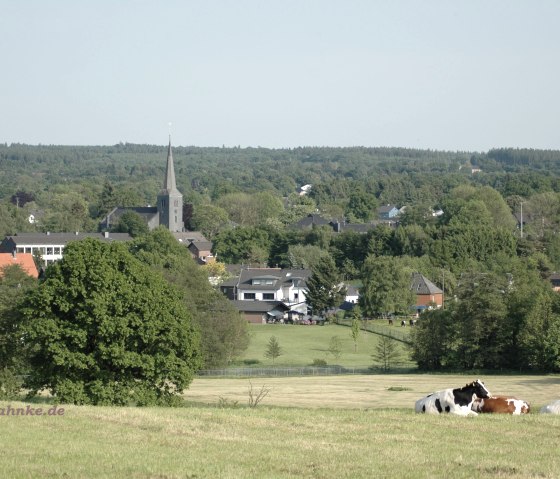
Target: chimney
{"points": [[77, 233], [106, 234], [48, 233], [14, 254]]}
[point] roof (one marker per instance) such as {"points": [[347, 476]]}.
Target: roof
{"points": [[188, 237], [386, 208], [422, 285], [63, 238], [25, 260], [259, 306], [279, 276], [311, 220], [201, 245]]}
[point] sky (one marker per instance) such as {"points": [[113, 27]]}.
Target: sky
{"points": [[455, 75]]}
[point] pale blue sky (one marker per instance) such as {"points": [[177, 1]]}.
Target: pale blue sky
{"points": [[439, 74]]}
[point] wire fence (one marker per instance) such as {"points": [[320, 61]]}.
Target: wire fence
{"points": [[295, 371]]}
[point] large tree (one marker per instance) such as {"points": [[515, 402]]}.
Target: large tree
{"points": [[224, 333], [386, 287], [14, 282], [325, 288], [104, 328]]}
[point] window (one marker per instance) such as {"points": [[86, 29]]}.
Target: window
{"points": [[57, 250], [248, 295], [268, 296], [269, 281], [20, 249], [49, 250], [256, 281], [296, 296], [28, 249]]}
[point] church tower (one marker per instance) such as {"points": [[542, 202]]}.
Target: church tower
{"points": [[169, 199]]}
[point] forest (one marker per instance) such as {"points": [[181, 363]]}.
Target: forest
{"points": [[498, 227]]}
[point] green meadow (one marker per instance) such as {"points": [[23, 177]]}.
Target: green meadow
{"points": [[301, 345]]}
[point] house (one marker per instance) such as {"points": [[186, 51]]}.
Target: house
{"points": [[428, 295], [201, 251], [25, 260], [271, 286], [50, 246], [386, 212], [312, 220], [262, 311]]}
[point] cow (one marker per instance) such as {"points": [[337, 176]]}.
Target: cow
{"points": [[552, 408], [501, 405], [454, 401]]}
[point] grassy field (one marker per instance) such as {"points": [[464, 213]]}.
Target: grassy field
{"points": [[364, 428], [303, 344]]}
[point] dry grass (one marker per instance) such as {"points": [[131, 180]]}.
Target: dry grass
{"points": [[367, 391], [366, 428]]}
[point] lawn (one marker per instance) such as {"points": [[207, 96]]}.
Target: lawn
{"points": [[364, 428], [301, 345]]}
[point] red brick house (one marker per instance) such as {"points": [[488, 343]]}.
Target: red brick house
{"points": [[428, 295]]}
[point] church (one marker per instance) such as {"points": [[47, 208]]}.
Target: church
{"points": [[169, 209]]}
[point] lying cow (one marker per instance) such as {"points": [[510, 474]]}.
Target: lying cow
{"points": [[501, 405], [454, 401], [552, 408]]}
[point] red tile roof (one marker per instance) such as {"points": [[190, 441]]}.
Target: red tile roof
{"points": [[25, 260]]}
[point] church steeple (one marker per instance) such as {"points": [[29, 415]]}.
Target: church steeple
{"points": [[170, 200], [169, 184]]}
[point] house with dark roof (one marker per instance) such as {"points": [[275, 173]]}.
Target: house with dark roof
{"points": [[387, 212], [24, 260], [281, 291], [50, 246], [201, 251], [428, 295], [312, 220]]}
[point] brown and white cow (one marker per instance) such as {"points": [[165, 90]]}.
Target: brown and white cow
{"points": [[501, 405], [454, 401]]}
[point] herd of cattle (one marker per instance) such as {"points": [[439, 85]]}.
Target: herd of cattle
{"points": [[474, 398]]}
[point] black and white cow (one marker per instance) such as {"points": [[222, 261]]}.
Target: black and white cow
{"points": [[454, 401]]}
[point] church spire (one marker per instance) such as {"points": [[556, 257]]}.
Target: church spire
{"points": [[170, 200], [169, 184]]}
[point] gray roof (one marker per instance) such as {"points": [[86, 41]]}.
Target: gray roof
{"points": [[422, 285], [259, 306], [279, 276], [311, 220]]}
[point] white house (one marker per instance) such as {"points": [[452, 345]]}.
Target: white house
{"points": [[50, 246], [285, 286]]}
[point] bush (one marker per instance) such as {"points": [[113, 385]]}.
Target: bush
{"points": [[319, 363]]}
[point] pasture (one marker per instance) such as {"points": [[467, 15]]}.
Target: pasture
{"points": [[318, 427], [302, 345]]}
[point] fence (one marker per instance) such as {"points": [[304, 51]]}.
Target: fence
{"points": [[295, 371], [283, 372]]}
